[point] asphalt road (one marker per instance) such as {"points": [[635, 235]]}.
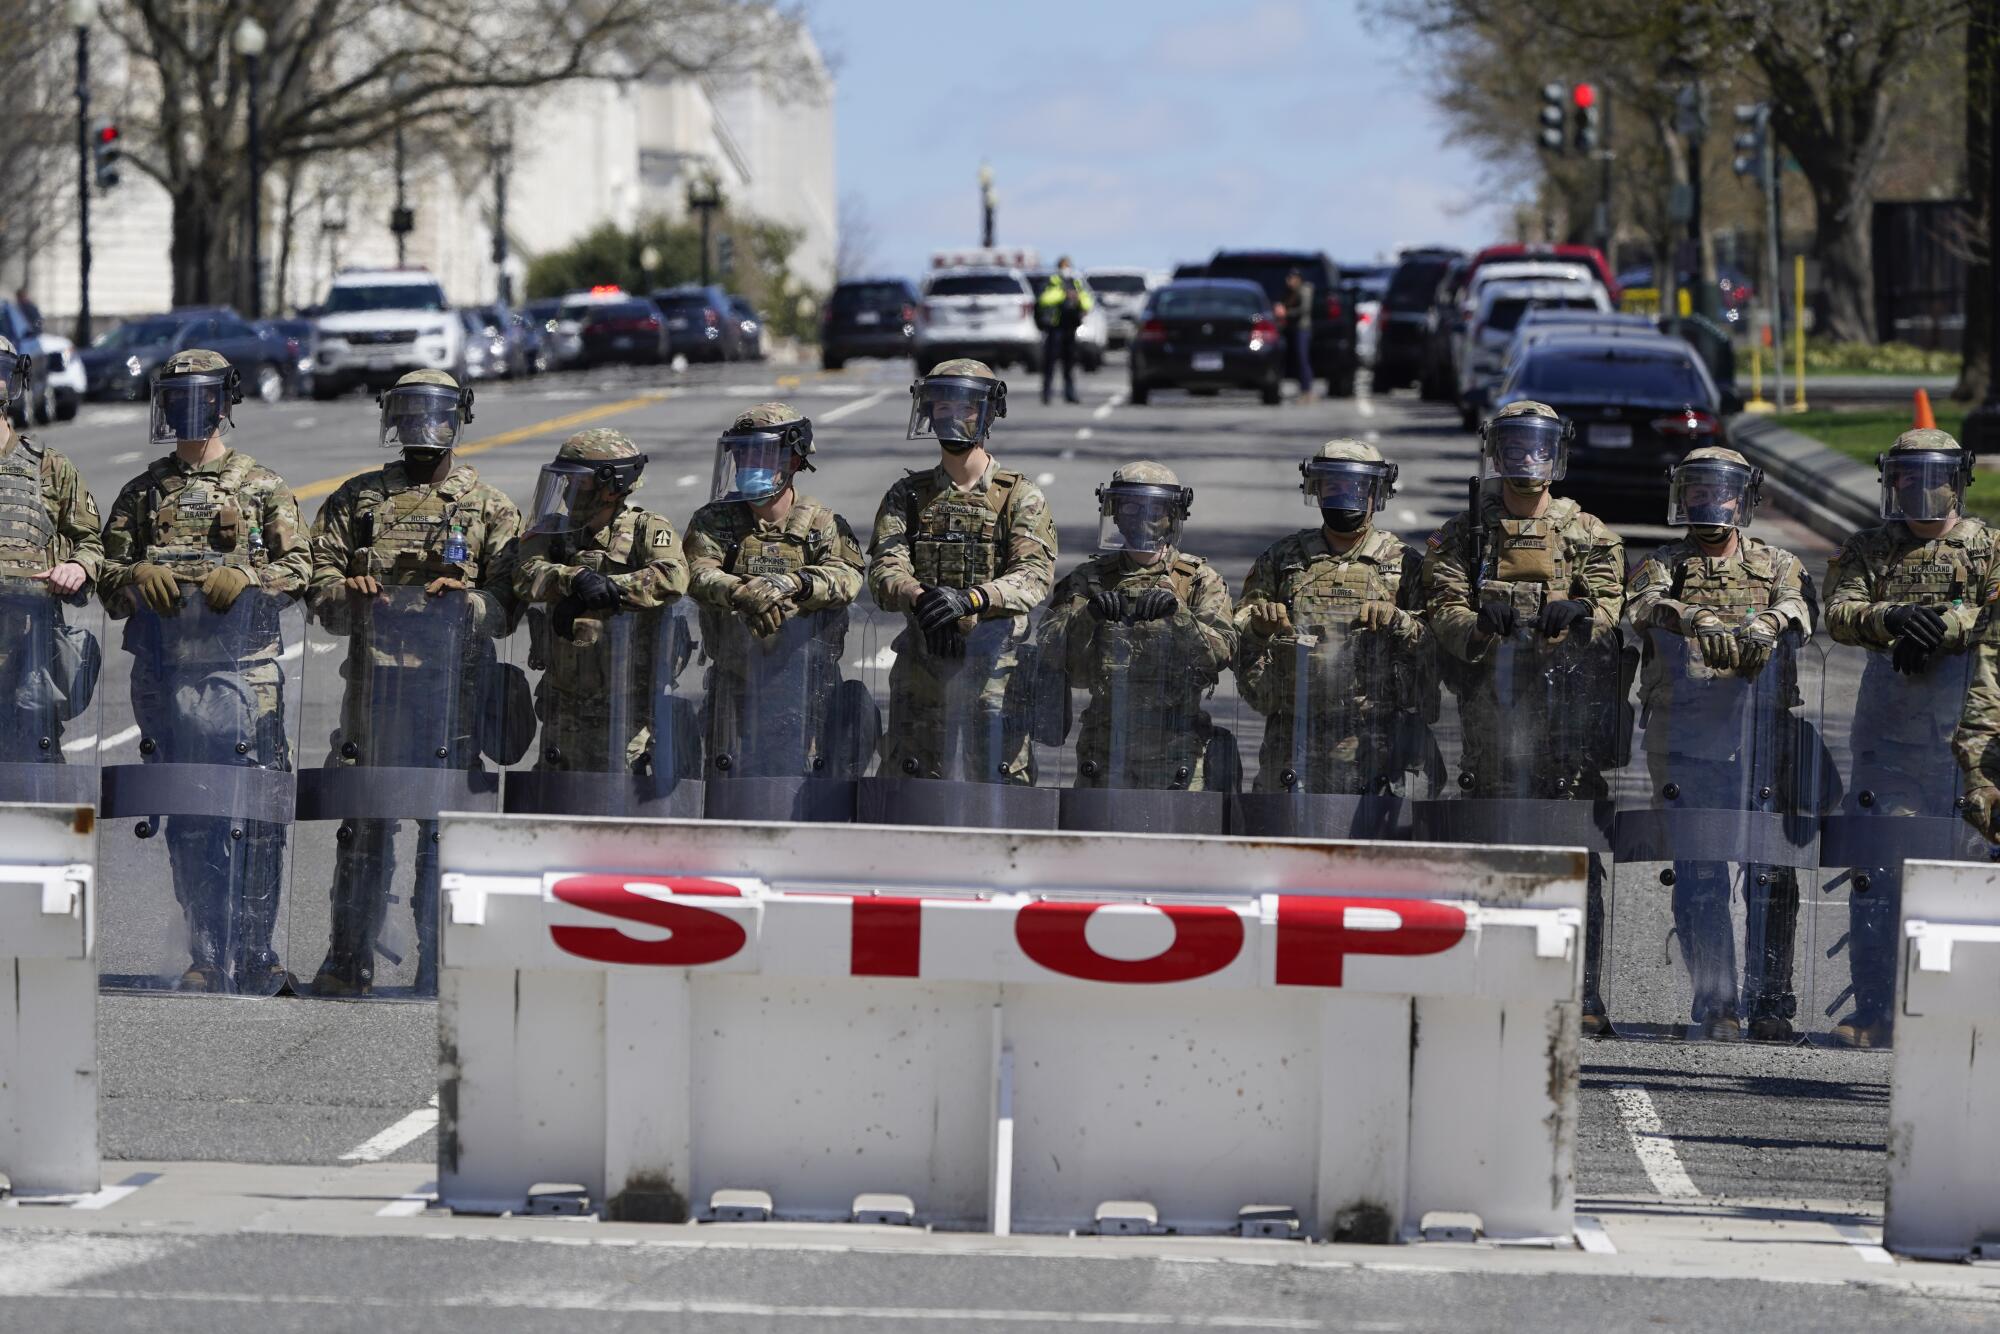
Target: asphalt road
{"points": [[305, 1081]]}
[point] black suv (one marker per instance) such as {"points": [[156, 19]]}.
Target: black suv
{"points": [[1403, 327], [873, 317], [1334, 358]]}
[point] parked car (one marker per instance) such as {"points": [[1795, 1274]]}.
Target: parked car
{"points": [[1189, 271], [120, 364], [1366, 285], [486, 348], [1733, 287], [1402, 324], [533, 339], [873, 317], [1205, 335], [561, 334], [750, 325], [983, 313], [699, 323], [1639, 401], [1093, 333], [1333, 350], [1491, 331], [379, 324], [1589, 256], [301, 339], [1438, 378], [631, 332], [1459, 302], [1122, 294]]}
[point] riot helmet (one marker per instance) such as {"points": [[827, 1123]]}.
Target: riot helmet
{"points": [[192, 396], [1526, 445], [1712, 490], [13, 372], [957, 404], [756, 457], [581, 490], [424, 412], [1141, 509], [1347, 481], [1924, 476]]}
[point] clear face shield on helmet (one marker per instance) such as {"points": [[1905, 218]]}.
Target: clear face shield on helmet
{"points": [[1712, 493], [189, 407], [756, 465], [1923, 485], [572, 495], [1527, 448], [954, 410], [13, 376], [422, 416], [1140, 517], [1348, 487]]}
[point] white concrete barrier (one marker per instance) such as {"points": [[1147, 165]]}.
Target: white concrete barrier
{"points": [[1008, 1031], [48, 1000], [1944, 1100]]}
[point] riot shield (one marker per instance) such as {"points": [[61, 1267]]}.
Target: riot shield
{"points": [[958, 745], [415, 701], [616, 736], [787, 734], [51, 655], [1149, 757], [1890, 735], [1347, 733], [198, 796], [1710, 854]]}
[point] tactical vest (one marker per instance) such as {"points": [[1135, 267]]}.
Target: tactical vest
{"points": [[195, 522], [771, 551], [405, 534], [1736, 588], [1328, 593], [1941, 572], [956, 537], [27, 533]]}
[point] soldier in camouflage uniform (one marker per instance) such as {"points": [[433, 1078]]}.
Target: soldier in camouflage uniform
{"points": [[1910, 591], [966, 550], [49, 551], [207, 516], [423, 520], [1733, 598], [1146, 629], [761, 554], [590, 555], [1522, 559], [1339, 603]]}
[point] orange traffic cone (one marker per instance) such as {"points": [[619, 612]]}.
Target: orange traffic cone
{"points": [[1925, 421]]}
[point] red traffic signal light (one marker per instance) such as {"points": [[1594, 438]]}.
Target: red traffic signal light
{"points": [[1584, 96], [107, 134]]}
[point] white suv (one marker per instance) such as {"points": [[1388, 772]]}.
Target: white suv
{"points": [[1491, 330], [983, 313], [378, 324]]}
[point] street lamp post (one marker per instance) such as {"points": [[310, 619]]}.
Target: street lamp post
{"points": [[988, 200], [503, 153], [81, 14], [400, 220], [1981, 431], [704, 196], [250, 40]]}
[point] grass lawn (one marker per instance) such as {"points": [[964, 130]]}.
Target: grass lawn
{"points": [[1864, 434]]}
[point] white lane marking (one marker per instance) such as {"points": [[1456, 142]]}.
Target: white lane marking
{"points": [[858, 405], [1066, 455], [1649, 1140], [118, 417], [110, 1195], [1590, 1235], [1104, 409], [405, 1131], [1865, 1243], [1044, 478], [409, 1206], [749, 390], [1083, 433], [129, 456], [118, 738], [305, 423], [81, 743], [34, 1265], [686, 479], [1408, 516]]}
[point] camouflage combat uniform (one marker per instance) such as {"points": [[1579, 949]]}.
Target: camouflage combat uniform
{"points": [[965, 718], [1696, 736], [1144, 727], [407, 534], [191, 518], [47, 517], [1345, 709]]}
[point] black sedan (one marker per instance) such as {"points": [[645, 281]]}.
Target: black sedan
{"points": [[1204, 335], [120, 364], [1640, 401], [629, 332]]}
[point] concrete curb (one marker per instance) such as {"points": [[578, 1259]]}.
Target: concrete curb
{"points": [[1824, 489]]}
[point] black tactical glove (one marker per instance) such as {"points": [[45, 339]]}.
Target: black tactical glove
{"points": [[1921, 624], [562, 619], [1107, 604], [592, 589], [1560, 615], [1497, 618], [1155, 604], [945, 641], [1909, 657], [937, 607]]}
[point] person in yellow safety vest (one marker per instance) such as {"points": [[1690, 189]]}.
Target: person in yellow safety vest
{"points": [[1060, 308]]}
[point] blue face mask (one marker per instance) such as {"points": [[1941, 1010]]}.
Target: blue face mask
{"points": [[758, 483]]}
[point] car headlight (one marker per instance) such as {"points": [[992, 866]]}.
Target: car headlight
{"points": [[135, 366]]}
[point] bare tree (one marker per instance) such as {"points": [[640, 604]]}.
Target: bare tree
{"points": [[38, 153], [342, 75], [855, 256]]}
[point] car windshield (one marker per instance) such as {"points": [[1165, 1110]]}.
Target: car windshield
{"points": [[1605, 373], [976, 284], [347, 297], [1414, 283], [865, 296], [140, 333], [624, 310], [1123, 284], [1268, 272], [1207, 303], [1507, 311], [682, 301]]}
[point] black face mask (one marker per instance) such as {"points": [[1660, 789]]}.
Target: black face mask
{"points": [[1344, 521], [958, 446], [423, 462]]}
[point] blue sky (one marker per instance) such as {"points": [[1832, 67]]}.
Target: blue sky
{"points": [[1128, 132]]}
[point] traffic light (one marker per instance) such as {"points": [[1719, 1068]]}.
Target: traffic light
{"points": [[1753, 138], [1552, 116], [105, 152], [402, 221], [1584, 98], [725, 253]]}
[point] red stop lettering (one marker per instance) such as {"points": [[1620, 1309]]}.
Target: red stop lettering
{"points": [[887, 939], [696, 935], [1207, 937], [1314, 937]]}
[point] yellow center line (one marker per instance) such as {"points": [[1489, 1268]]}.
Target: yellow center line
{"points": [[326, 486]]}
